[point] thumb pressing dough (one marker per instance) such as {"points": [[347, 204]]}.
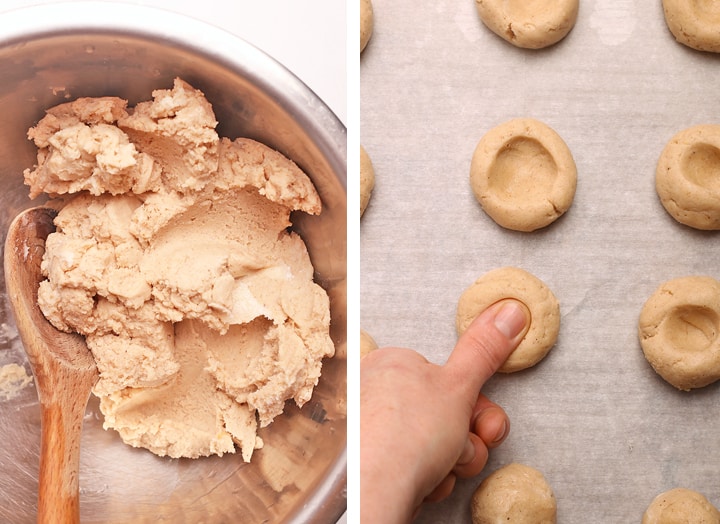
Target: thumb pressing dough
{"points": [[687, 178], [523, 175], [531, 24], [515, 493], [678, 329], [512, 282], [694, 24], [681, 505]]}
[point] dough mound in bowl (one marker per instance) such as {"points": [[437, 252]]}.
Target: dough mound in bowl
{"points": [[173, 257]]}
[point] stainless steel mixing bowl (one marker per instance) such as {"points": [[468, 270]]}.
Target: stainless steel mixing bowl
{"points": [[58, 52]]}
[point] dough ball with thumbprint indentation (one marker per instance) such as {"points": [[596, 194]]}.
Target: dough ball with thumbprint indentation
{"points": [[531, 24], [695, 23], [687, 178], [512, 282], [523, 175], [679, 330]]}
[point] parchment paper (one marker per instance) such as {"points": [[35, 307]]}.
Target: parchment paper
{"points": [[606, 431]]}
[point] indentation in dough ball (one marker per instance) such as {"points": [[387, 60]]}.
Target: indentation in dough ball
{"points": [[531, 24], [523, 174], [523, 169], [707, 9], [691, 328], [678, 330], [524, 9], [687, 177], [701, 165]]}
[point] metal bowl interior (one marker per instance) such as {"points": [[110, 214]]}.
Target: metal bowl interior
{"points": [[59, 52]]}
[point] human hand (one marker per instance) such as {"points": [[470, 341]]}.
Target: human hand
{"points": [[423, 425]]}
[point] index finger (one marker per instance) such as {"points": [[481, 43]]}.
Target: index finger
{"points": [[488, 342]]}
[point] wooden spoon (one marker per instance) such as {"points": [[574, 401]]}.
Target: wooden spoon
{"points": [[63, 366]]}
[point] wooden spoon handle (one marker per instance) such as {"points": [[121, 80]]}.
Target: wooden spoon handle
{"points": [[62, 364], [61, 428]]}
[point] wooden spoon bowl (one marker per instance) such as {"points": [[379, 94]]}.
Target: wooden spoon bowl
{"points": [[62, 364]]}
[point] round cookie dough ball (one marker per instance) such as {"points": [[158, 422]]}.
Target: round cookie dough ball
{"points": [[512, 282], [694, 24], [679, 330], [681, 505], [367, 179], [687, 178], [515, 493], [367, 343], [529, 24], [523, 175], [367, 21]]}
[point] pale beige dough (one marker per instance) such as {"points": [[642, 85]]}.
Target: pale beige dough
{"points": [[367, 179], [687, 178], [681, 506], [13, 379], [695, 24], [367, 22], [523, 174], [367, 343], [532, 24], [174, 258], [512, 282], [515, 493], [679, 330]]}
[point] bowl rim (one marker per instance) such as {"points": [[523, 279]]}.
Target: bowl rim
{"points": [[196, 36], [329, 500]]}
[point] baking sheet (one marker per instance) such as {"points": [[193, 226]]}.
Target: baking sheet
{"points": [[606, 431]]}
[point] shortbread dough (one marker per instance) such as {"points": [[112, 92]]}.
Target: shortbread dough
{"points": [[694, 24], [681, 505], [687, 178], [679, 331], [367, 343], [513, 282], [367, 22], [530, 24], [523, 175], [515, 493], [367, 179], [173, 256]]}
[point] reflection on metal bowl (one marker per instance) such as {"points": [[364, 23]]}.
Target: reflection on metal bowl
{"points": [[58, 52]]}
